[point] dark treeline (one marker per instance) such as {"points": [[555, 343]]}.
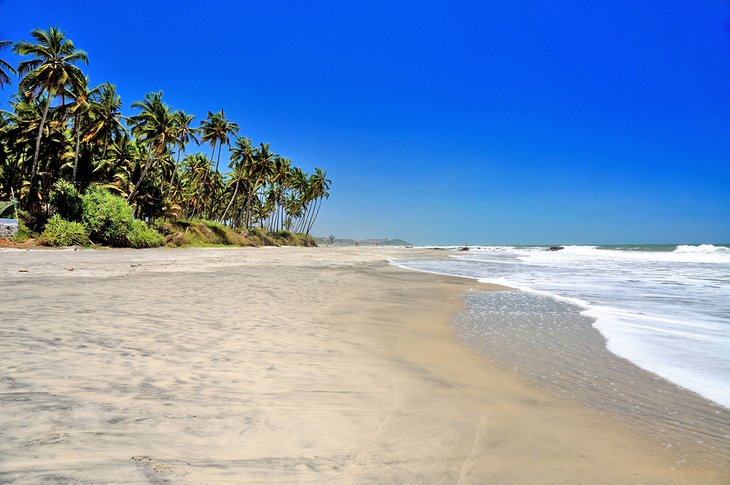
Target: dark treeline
{"points": [[58, 127]]}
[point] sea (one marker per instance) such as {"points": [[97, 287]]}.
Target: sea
{"points": [[664, 308]]}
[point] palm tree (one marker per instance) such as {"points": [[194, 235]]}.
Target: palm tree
{"points": [[106, 122], [184, 132], [82, 97], [57, 126], [196, 172], [154, 126], [49, 71], [320, 190], [4, 66], [279, 182], [217, 130], [261, 170], [241, 161]]}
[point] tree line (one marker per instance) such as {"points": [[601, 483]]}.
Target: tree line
{"points": [[59, 128]]}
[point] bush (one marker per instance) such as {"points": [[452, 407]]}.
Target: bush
{"points": [[108, 217], [59, 232], [67, 201], [23, 233], [143, 236]]}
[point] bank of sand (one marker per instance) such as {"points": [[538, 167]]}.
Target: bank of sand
{"points": [[278, 365]]}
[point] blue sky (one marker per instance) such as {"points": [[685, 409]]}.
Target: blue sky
{"points": [[449, 122]]}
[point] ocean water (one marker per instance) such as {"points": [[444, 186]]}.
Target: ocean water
{"points": [[664, 308]]}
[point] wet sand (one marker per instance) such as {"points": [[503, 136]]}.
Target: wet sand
{"points": [[551, 344], [277, 366]]}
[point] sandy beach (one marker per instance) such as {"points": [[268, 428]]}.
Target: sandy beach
{"points": [[281, 365]]}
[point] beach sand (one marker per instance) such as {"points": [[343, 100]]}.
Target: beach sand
{"points": [[279, 365]]}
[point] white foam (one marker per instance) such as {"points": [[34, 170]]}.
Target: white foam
{"points": [[666, 311]]}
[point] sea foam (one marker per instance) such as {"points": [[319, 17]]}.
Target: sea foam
{"points": [[667, 311]]}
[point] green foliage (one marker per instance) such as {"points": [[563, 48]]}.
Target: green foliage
{"points": [[108, 217], [59, 232], [143, 236], [60, 133], [7, 209], [23, 233], [34, 223], [67, 201]]}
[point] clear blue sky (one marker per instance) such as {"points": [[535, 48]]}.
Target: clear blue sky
{"points": [[485, 122]]}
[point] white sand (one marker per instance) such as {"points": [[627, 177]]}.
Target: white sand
{"points": [[276, 365]]}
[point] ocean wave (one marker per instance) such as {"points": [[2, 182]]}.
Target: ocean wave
{"points": [[705, 254], [666, 311], [702, 249]]}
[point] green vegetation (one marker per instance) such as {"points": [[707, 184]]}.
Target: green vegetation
{"points": [[23, 233], [143, 236], [67, 201], [59, 232], [207, 233], [62, 138], [108, 217]]}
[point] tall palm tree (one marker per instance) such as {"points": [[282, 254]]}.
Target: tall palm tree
{"points": [[261, 170], [82, 103], [154, 126], [217, 130], [279, 183], [106, 123], [5, 68], [184, 132], [241, 161], [48, 72], [320, 187]]}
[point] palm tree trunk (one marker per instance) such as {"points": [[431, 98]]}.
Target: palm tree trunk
{"points": [[235, 191], [38, 144], [212, 154], [218, 161], [78, 145], [310, 215], [314, 217], [141, 178]]}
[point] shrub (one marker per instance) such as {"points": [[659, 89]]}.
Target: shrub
{"points": [[23, 233], [143, 236], [59, 232], [107, 217], [67, 201], [34, 222]]}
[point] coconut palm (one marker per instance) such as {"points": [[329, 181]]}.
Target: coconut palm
{"points": [[106, 117], [154, 126], [82, 102], [184, 132], [320, 190], [242, 157], [85, 138], [217, 130], [5, 68], [279, 183], [50, 69]]}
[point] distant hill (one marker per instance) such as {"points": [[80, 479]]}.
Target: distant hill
{"points": [[327, 241]]}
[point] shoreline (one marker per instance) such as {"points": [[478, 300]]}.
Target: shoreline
{"points": [[578, 364], [327, 386]]}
